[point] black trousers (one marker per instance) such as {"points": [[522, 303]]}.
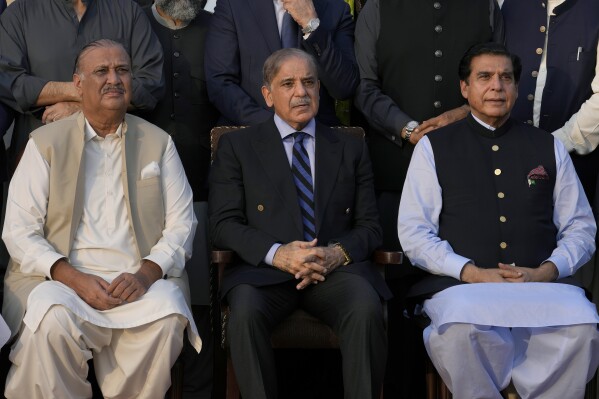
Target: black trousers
{"points": [[345, 301]]}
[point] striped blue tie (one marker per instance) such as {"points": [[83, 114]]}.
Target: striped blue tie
{"points": [[302, 176], [289, 32]]}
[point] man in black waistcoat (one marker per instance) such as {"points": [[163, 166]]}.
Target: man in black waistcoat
{"points": [[188, 116], [496, 203], [407, 53]]}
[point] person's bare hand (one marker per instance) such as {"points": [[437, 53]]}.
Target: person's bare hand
{"points": [[473, 274], [130, 287], [299, 258], [302, 11], [59, 111], [90, 288], [447, 117], [544, 273]]}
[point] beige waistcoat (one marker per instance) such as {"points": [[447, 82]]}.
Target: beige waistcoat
{"points": [[62, 146]]}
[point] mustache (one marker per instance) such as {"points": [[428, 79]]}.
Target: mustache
{"points": [[109, 88], [301, 101]]}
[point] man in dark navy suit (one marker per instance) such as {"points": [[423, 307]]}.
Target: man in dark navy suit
{"points": [[244, 33], [295, 200]]}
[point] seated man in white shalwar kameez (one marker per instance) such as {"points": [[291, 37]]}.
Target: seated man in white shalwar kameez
{"points": [[496, 203], [99, 224]]}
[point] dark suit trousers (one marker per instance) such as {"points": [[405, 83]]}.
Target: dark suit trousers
{"points": [[345, 301]]}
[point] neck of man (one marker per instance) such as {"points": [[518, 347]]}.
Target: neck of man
{"points": [[176, 22], [105, 123], [79, 6]]}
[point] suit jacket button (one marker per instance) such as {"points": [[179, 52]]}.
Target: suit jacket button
{"points": [[347, 211], [260, 208]]}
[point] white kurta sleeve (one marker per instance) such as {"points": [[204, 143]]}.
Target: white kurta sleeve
{"points": [[26, 208], [175, 246], [418, 220], [572, 217]]}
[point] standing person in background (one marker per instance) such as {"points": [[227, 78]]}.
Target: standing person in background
{"points": [[558, 42], [188, 116], [244, 33], [6, 118], [39, 40], [408, 52]]}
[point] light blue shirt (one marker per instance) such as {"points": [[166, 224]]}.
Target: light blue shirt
{"points": [[421, 204], [309, 143]]}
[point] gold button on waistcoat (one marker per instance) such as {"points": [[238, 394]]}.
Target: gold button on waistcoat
{"points": [[503, 245], [500, 194], [539, 51], [260, 208], [502, 219], [497, 172], [495, 147]]}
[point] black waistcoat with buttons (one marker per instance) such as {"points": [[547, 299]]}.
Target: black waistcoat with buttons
{"points": [[418, 50], [570, 71], [185, 112], [492, 212]]}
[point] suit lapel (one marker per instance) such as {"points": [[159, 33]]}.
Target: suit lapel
{"points": [[269, 149], [329, 150], [266, 20]]}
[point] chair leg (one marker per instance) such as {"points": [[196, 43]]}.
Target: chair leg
{"points": [[592, 387], [176, 389], [232, 386], [435, 387]]}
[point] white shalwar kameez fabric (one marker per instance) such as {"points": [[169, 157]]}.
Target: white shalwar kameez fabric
{"points": [[133, 345], [542, 336]]}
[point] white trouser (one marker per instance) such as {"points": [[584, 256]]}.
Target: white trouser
{"points": [[478, 362], [129, 363]]}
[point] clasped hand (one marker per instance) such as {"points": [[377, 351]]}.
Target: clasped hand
{"points": [[101, 295], [505, 273], [307, 262]]}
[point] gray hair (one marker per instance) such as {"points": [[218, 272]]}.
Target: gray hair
{"points": [[273, 63], [100, 43]]}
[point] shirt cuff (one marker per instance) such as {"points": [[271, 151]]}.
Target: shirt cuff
{"points": [[561, 263], [271, 254], [565, 139], [163, 260], [454, 264], [47, 260]]}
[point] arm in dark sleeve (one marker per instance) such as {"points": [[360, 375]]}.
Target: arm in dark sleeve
{"points": [[146, 62], [18, 88], [223, 71], [6, 118], [332, 44], [379, 109], [226, 208], [366, 234]]}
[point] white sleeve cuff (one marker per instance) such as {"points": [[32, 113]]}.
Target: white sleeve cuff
{"points": [[454, 264]]}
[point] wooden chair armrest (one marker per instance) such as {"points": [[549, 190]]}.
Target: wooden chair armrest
{"points": [[382, 257], [222, 255]]}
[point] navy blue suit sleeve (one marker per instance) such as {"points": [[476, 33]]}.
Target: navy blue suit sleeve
{"points": [[332, 44], [223, 70]]}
